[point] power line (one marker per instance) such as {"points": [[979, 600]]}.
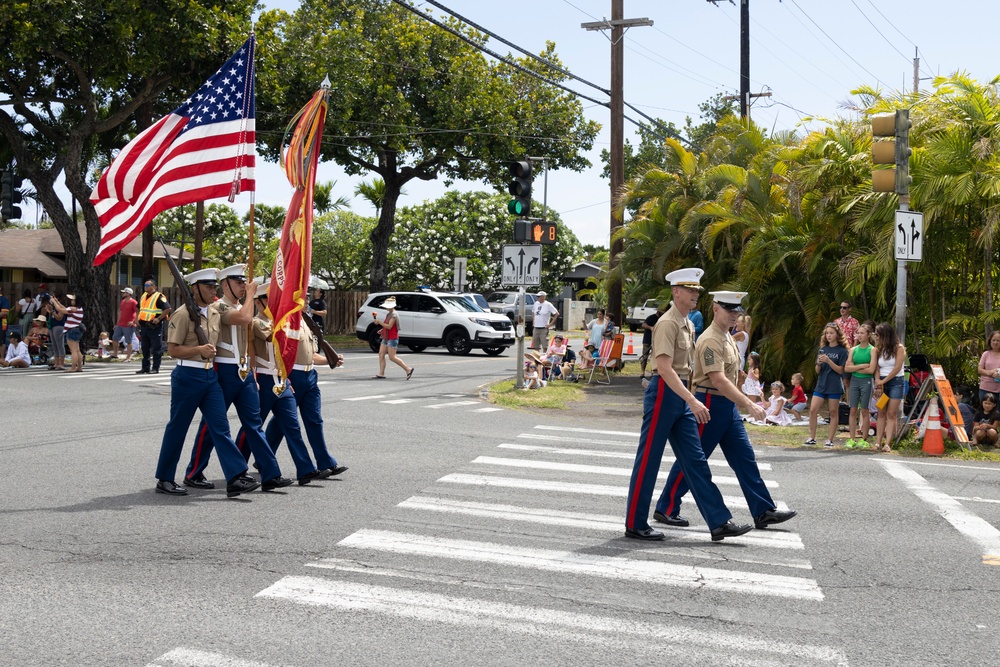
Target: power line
{"points": [[870, 73], [705, 82], [894, 27], [580, 10], [905, 57]]}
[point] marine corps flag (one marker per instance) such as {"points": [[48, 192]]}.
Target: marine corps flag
{"points": [[287, 294]]}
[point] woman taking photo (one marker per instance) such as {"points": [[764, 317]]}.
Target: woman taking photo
{"points": [[74, 330], [889, 381]]}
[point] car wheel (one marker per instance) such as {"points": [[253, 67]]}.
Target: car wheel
{"points": [[457, 342], [374, 338], [495, 351], [417, 348], [633, 327]]}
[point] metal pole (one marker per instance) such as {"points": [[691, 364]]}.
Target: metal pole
{"points": [[519, 330], [904, 205], [545, 189]]}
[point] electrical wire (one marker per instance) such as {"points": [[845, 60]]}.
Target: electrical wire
{"points": [[705, 81], [905, 57], [818, 26], [894, 27]]}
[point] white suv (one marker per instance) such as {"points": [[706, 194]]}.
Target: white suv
{"points": [[431, 319]]}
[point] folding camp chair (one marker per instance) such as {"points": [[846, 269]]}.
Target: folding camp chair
{"points": [[609, 355]]}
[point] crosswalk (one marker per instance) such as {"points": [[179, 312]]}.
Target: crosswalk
{"points": [[104, 373], [530, 542]]}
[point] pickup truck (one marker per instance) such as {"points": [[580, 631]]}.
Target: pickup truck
{"points": [[638, 314]]}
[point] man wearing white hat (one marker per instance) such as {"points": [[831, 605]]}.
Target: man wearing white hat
{"points": [[671, 411], [543, 315], [716, 371], [239, 387], [195, 385]]}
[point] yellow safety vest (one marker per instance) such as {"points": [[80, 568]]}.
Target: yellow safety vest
{"points": [[147, 306]]}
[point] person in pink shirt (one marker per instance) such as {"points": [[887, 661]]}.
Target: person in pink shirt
{"points": [[128, 320], [989, 367]]}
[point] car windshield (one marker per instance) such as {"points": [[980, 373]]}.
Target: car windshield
{"points": [[481, 302], [459, 304], [502, 297]]}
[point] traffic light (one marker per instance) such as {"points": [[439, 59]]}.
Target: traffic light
{"points": [[10, 195], [543, 232], [895, 152], [520, 188], [535, 231]]}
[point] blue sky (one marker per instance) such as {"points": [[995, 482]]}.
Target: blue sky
{"points": [[808, 53]]}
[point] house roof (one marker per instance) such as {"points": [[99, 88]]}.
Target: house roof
{"points": [[42, 249]]}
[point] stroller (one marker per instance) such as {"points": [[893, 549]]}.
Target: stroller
{"points": [[38, 349]]}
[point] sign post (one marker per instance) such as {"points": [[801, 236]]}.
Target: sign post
{"points": [[461, 266], [521, 266]]}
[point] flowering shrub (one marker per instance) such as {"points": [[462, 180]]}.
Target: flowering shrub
{"points": [[474, 225]]}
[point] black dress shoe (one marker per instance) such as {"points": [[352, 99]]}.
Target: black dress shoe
{"points": [[310, 476], [730, 529], [336, 471], [772, 516], [155, 370], [141, 372], [169, 488], [240, 484], [644, 534], [278, 482], [198, 482], [674, 520]]}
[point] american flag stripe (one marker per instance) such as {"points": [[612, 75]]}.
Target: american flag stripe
{"points": [[195, 153]]}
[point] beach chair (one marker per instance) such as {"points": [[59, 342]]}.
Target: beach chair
{"points": [[609, 355]]}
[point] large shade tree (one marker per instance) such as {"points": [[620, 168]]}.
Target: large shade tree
{"points": [[411, 101], [79, 78]]}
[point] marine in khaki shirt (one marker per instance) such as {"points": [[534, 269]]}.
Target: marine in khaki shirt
{"points": [[180, 332], [228, 347], [715, 351], [673, 336]]}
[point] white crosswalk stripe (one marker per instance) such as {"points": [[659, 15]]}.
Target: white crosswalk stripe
{"points": [[189, 657], [474, 548]]}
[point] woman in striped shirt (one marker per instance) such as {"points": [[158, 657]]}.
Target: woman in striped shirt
{"points": [[74, 330]]}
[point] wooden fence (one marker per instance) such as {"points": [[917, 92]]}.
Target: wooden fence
{"points": [[341, 314]]}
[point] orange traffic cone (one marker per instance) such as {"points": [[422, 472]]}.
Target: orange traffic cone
{"points": [[630, 349], [933, 442]]}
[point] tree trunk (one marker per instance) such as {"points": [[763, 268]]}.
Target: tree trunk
{"points": [[383, 231], [988, 284], [791, 283]]}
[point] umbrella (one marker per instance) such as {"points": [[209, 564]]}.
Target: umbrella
{"points": [[315, 282]]}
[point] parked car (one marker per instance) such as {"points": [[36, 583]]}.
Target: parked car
{"points": [[638, 314], [506, 303], [479, 300], [432, 319]]}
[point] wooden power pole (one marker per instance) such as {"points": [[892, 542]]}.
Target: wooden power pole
{"points": [[617, 25]]}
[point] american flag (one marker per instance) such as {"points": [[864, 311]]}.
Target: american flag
{"points": [[204, 149]]}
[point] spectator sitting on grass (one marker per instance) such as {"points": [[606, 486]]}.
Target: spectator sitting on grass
{"points": [[17, 353]]}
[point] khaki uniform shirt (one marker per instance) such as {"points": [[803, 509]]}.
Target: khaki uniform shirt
{"points": [[307, 348], [180, 331], [227, 348], [673, 336], [715, 351]]}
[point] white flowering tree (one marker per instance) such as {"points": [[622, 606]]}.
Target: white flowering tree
{"points": [[226, 233], [475, 225], [342, 249]]}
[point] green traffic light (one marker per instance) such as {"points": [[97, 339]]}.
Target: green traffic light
{"points": [[515, 207]]}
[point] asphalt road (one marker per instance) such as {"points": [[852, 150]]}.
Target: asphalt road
{"points": [[466, 534]]}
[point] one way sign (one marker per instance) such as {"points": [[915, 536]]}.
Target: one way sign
{"points": [[909, 236], [522, 265]]}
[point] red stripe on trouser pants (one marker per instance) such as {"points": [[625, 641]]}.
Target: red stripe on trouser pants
{"points": [[680, 475], [630, 519]]}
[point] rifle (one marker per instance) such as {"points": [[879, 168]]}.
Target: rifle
{"points": [[328, 351], [192, 306]]}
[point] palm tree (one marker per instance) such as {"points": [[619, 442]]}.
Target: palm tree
{"points": [[323, 200], [374, 192]]}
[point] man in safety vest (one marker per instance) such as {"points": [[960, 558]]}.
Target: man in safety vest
{"points": [[153, 310]]}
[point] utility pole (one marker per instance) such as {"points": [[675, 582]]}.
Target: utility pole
{"points": [[617, 25], [744, 59], [916, 70]]}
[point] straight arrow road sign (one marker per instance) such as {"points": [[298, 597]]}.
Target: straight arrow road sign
{"points": [[909, 241], [521, 265]]}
